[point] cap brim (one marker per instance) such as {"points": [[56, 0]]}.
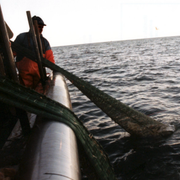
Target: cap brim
{"points": [[42, 24]]}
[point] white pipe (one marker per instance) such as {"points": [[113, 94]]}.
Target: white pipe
{"points": [[52, 151]]}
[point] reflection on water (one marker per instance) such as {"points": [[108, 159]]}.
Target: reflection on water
{"points": [[144, 74]]}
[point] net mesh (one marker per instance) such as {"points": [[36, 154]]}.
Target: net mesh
{"points": [[134, 122], [39, 104]]}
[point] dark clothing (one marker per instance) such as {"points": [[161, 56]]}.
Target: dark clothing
{"points": [[26, 41], [28, 69]]}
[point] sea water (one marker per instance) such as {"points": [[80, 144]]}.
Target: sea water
{"points": [[144, 74]]}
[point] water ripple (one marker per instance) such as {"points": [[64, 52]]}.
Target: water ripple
{"points": [[144, 74]]}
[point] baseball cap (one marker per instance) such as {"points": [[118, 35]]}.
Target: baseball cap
{"points": [[39, 20]]}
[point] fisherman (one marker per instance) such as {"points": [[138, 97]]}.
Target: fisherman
{"points": [[28, 70]]}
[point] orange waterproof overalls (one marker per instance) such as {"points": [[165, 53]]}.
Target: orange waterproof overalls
{"points": [[28, 69]]}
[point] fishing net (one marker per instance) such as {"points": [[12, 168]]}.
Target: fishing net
{"points": [[134, 122], [39, 104]]}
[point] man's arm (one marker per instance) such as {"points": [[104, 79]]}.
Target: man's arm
{"points": [[48, 51]]}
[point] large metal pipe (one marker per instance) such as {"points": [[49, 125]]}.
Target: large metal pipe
{"points": [[52, 151], [58, 91]]}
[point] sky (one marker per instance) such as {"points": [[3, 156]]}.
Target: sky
{"points": [[72, 22]]}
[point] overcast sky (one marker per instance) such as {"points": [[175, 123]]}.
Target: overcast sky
{"points": [[87, 21]]}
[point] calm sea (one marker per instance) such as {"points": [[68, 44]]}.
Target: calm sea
{"points": [[144, 74]]}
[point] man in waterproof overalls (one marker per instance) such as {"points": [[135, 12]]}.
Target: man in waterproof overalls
{"points": [[28, 70]]}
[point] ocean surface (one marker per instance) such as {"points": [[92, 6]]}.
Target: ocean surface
{"points": [[144, 74]]}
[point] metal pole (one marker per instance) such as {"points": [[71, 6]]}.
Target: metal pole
{"points": [[10, 68], [8, 58], [38, 37], [39, 41], [36, 47]]}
